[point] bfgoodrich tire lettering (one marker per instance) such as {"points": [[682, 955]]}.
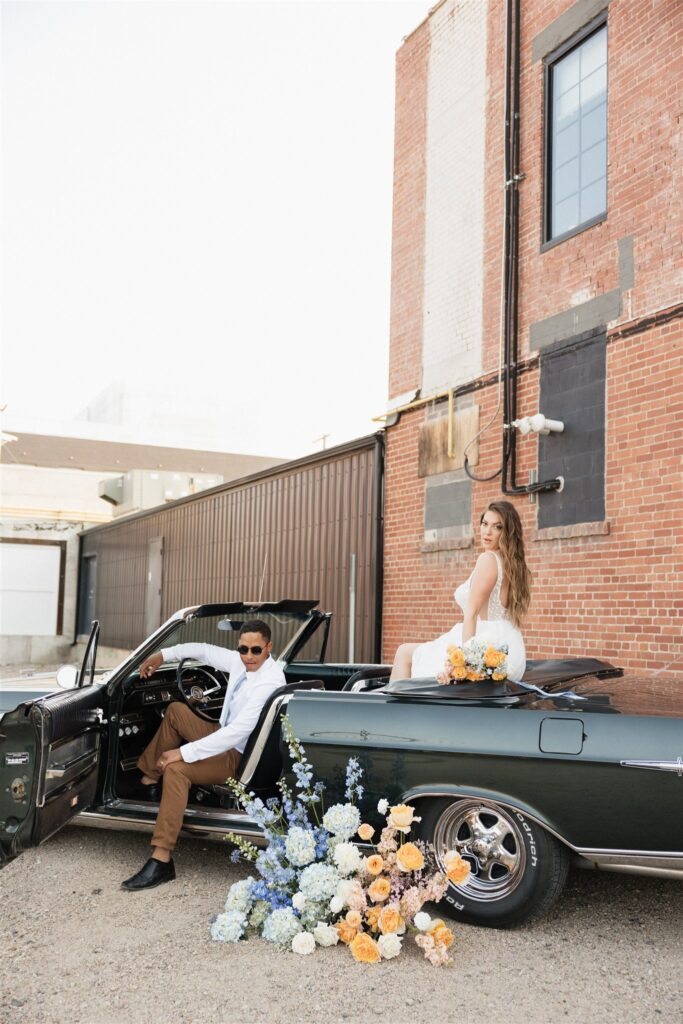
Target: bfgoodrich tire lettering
{"points": [[517, 869]]}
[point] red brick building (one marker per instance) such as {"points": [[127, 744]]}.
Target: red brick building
{"points": [[542, 267]]}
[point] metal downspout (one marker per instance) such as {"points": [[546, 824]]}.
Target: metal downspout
{"points": [[511, 273], [378, 545]]}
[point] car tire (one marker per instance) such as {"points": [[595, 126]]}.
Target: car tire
{"points": [[518, 869]]}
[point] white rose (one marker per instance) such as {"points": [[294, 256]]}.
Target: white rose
{"points": [[344, 889], [303, 943], [298, 901], [325, 934], [383, 806], [422, 921], [336, 905], [389, 945]]}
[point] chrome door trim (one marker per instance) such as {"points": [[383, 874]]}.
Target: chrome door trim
{"points": [[657, 766], [207, 830]]}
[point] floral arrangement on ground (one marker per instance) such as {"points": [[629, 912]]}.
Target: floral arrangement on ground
{"points": [[476, 660], [314, 888]]}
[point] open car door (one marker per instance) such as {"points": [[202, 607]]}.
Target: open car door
{"points": [[49, 758]]}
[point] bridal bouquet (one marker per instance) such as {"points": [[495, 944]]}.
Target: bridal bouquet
{"points": [[477, 659], [314, 888]]}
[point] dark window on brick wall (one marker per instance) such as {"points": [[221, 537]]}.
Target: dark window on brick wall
{"points": [[576, 134], [573, 390], [448, 507]]}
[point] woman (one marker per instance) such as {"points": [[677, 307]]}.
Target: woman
{"points": [[494, 600]]}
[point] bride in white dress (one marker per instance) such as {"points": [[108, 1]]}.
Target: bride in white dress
{"points": [[494, 600]]}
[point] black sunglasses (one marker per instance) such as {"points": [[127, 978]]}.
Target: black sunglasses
{"points": [[243, 649]]}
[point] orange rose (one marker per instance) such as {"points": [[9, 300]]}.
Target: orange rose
{"points": [[365, 949], [389, 920], [354, 919], [401, 816], [474, 677], [499, 675], [492, 657], [372, 917], [379, 890], [374, 864], [366, 832], [458, 673], [442, 935], [456, 656], [345, 932], [409, 858], [457, 869]]}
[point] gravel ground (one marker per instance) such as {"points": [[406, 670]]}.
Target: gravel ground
{"points": [[78, 949]]}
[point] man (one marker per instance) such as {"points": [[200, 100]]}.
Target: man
{"points": [[212, 751]]}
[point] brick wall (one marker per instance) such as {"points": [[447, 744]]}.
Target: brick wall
{"points": [[612, 589]]}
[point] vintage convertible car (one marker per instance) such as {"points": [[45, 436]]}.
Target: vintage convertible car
{"points": [[572, 762]]}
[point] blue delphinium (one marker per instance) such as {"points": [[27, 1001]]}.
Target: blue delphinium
{"points": [[354, 773]]}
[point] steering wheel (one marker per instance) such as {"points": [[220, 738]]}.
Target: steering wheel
{"points": [[198, 695]]}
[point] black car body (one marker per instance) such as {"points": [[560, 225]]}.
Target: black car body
{"points": [[574, 761]]}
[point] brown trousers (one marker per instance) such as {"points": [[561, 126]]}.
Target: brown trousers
{"points": [[179, 725]]}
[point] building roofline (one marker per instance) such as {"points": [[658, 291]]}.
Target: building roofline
{"points": [[367, 441], [427, 16]]}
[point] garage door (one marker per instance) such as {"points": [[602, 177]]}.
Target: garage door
{"points": [[29, 589]]}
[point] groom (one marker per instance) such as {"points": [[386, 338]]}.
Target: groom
{"points": [[211, 751]]}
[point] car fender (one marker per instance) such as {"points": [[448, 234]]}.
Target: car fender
{"points": [[510, 803]]}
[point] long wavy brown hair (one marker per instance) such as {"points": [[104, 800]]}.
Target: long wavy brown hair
{"points": [[515, 569]]}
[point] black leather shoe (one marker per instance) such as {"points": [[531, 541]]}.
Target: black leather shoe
{"points": [[152, 792], [155, 872]]}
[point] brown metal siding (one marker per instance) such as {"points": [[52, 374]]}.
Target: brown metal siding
{"points": [[301, 522]]}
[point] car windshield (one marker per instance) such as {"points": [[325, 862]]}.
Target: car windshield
{"points": [[223, 631]]}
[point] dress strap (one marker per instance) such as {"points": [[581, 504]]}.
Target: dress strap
{"points": [[500, 567]]}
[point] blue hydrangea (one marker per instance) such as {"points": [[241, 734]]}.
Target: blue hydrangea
{"points": [[281, 926], [318, 882], [342, 820], [300, 846], [229, 927]]}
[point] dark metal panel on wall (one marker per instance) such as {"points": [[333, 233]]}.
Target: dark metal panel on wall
{"points": [[290, 531]]}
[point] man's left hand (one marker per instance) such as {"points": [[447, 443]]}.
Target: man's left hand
{"points": [[168, 758]]}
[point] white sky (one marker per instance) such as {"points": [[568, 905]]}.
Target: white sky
{"points": [[196, 197]]}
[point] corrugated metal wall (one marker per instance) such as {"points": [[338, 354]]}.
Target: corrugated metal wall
{"points": [[296, 526]]}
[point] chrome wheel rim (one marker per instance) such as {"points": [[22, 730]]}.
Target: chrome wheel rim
{"points": [[491, 842]]}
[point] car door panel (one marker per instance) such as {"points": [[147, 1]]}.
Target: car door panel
{"points": [[49, 759]]}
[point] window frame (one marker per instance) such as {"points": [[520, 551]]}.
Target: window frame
{"points": [[549, 241]]}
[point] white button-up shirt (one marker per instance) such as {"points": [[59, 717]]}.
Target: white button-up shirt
{"points": [[244, 699]]}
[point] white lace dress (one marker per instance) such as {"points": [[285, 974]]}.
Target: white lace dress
{"points": [[430, 657]]}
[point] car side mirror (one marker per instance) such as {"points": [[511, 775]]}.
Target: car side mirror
{"points": [[67, 677]]}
